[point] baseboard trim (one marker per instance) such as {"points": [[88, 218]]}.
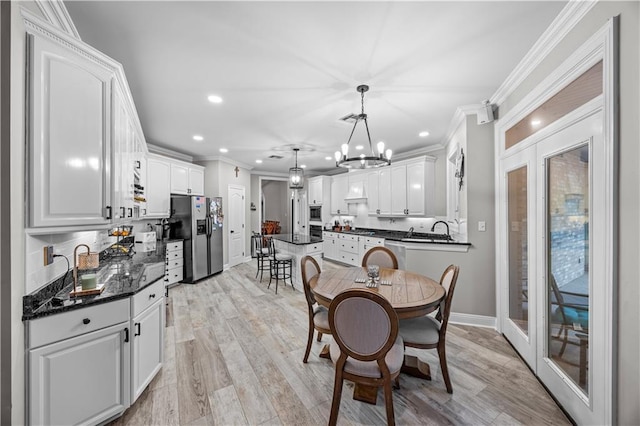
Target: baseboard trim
{"points": [[472, 319]]}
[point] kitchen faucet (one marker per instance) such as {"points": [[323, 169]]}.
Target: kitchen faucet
{"points": [[410, 233], [445, 224]]}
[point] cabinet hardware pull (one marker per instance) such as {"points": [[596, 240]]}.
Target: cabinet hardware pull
{"points": [[130, 210], [86, 321], [137, 333], [122, 212], [144, 212], [108, 212], [126, 334], [152, 295]]}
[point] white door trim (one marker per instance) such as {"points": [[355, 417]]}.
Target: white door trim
{"points": [[242, 214], [601, 46]]}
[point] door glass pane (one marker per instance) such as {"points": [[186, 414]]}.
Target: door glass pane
{"points": [[568, 263], [518, 261]]}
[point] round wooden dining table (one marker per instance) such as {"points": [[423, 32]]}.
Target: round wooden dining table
{"points": [[411, 295]]}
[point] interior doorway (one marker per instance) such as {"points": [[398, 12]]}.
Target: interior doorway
{"points": [[275, 203]]}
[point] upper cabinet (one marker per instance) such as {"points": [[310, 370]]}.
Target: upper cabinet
{"points": [[157, 188], [319, 190], [86, 147], [403, 189], [186, 178], [339, 190], [69, 137]]}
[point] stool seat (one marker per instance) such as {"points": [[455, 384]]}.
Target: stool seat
{"points": [[281, 267]]}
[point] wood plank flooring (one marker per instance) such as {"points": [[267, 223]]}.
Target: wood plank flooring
{"points": [[234, 356]]}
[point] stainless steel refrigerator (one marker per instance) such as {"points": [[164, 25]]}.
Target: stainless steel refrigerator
{"points": [[198, 221]]}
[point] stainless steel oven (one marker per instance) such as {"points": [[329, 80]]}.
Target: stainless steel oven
{"points": [[315, 213], [315, 231]]}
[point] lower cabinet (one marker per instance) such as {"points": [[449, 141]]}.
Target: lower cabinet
{"points": [[330, 245], [81, 380], [89, 365], [174, 260], [147, 351]]}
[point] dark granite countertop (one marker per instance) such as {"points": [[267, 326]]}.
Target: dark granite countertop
{"points": [[402, 236], [123, 276], [297, 239]]}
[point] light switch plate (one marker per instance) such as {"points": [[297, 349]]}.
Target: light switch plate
{"points": [[482, 226]]}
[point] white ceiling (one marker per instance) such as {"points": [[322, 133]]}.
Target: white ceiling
{"points": [[287, 71]]}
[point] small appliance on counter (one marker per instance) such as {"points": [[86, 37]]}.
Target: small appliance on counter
{"points": [[146, 241]]}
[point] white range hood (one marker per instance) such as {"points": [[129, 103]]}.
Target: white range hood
{"points": [[356, 193]]}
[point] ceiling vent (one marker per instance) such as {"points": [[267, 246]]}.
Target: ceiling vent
{"points": [[276, 157]]}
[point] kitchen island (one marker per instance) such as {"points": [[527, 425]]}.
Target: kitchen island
{"points": [[299, 246]]}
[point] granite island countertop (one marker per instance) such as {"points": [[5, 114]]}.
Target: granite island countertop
{"points": [[122, 276], [296, 239], [402, 236]]}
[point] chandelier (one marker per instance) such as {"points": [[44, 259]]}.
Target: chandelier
{"points": [[362, 161], [296, 174]]}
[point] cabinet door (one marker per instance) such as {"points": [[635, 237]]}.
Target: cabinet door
{"points": [[372, 192], [82, 380], [315, 192], [157, 189], [196, 181], [179, 179], [339, 188], [147, 350], [384, 191], [69, 137], [399, 193], [416, 189]]}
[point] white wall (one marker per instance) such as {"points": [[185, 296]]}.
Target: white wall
{"points": [[628, 264]]}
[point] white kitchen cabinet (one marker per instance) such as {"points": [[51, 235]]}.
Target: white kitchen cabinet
{"points": [[157, 189], [373, 199], [367, 243], [147, 326], [319, 189], [69, 136], [384, 191], [187, 179], [349, 249], [123, 158], [399, 192], [330, 243], [78, 367], [339, 190], [174, 262]]}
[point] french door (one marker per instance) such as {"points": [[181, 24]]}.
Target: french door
{"points": [[554, 247]]}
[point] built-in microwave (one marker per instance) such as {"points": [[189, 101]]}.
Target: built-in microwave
{"points": [[315, 213]]}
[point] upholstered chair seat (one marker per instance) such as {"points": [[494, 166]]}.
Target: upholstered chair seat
{"points": [[394, 360], [422, 330]]}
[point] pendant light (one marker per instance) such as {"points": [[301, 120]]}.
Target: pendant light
{"points": [[383, 158], [296, 174]]}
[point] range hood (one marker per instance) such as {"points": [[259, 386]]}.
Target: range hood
{"points": [[356, 193]]}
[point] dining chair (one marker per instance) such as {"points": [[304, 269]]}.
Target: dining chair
{"points": [[261, 251], [429, 332], [366, 346], [318, 315], [280, 262], [380, 256]]}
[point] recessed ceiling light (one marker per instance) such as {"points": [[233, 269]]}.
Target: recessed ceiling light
{"points": [[328, 158], [303, 166], [359, 147], [258, 161], [423, 134], [535, 122], [215, 99], [224, 150], [198, 138]]}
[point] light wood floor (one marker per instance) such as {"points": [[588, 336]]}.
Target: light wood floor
{"points": [[234, 356]]}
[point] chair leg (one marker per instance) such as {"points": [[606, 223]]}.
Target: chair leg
{"points": [[396, 382], [443, 366], [291, 274], [337, 395], [388, 402], [309, 340], [258, 262], [319, 338]]}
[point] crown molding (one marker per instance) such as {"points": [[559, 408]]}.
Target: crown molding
{"points": [[224, 160], [417, 153], [57, 14], [566, 20], [155, 149], [260, 173], [458, 118]]}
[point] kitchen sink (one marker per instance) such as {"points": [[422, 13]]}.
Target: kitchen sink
{"points": [[428, 237]]}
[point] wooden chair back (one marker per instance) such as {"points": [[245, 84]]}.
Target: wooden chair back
{"points": [[448, 281], [380, 256], [309, 268]]}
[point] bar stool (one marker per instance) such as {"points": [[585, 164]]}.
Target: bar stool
{"points": [[262, 253], [279, 264]]}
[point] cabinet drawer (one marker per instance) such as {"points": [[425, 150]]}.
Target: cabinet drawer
{"points": [[373, 241], [348, 246], [174, 246], [174, 263], [314, 248], [174, 275], [348, 237], [147, 297], [57, 327], [350, 258], [178, 254]]}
